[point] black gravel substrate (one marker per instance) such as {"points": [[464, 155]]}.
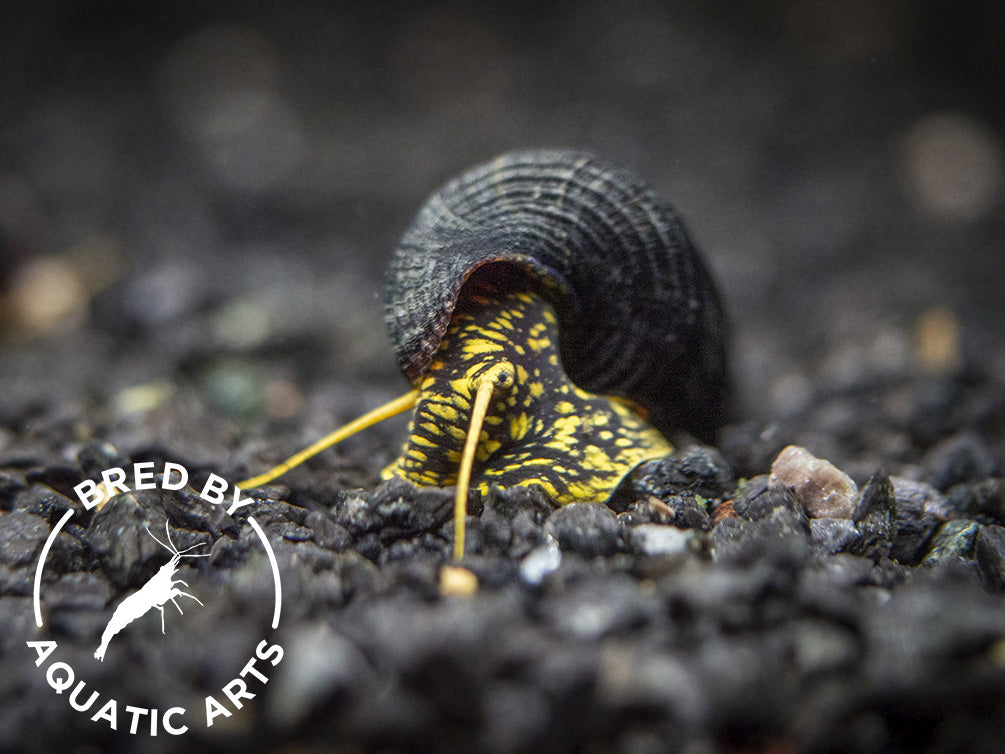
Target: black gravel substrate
{"points": [[214, 194]]}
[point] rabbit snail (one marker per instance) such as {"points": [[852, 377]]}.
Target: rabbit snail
{"points": [[556, 322]]}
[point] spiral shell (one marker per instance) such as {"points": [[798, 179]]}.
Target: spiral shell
{"points": [[638, 312]]}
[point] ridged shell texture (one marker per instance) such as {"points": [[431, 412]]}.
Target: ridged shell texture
{"points": [[639, 315]]}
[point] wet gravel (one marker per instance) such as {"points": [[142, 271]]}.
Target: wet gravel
{"points": [[709, 613], [845, 599]]}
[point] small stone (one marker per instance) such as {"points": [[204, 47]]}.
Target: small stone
{"points": [[588, 529], [919, 510], [79, 591], [660, 539], [973, 500], [725, 509], [493, 570], [875, 518], [833, 534], [98, 455], [326, 532], [953, 542], [760, 500], [781, 537], [919, 498], [527, 533], [963, 457], [44, 501], [319, 666], [630, 678], [10, 486], [692, 470], [291, 532], [683, 511], [353, 512], [70, 551], [404, 510], [457, 582], [509, 502], [822, 489], [495, 531], [652, 510], [990, 498], [728, 535], [590, 609], [990, 553], [22, 535], [16, 581], [541, 561]]}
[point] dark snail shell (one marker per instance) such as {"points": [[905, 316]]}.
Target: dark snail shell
{"points": [[639, 315]]}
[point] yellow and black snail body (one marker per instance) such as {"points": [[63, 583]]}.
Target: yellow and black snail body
{"points": [[556, 322], [539, 428]]}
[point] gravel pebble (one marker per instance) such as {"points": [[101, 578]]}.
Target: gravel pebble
{"points": [[321, 668], [990, 553], [541, 561], [326, 531], [875, 519], [920, 509], [694, 469], [22, 535], [587, 529], [822, 489], [833, 534], [953, 541], [659, 539], [960, 458]]}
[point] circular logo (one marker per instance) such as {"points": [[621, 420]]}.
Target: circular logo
{"points": [[165, 592]]}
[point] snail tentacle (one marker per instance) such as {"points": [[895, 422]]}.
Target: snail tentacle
{"points": [[498, 377], [397, 406]]}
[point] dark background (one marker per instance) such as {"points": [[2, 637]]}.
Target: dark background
{"points": [[220, 184], [197, 202]]}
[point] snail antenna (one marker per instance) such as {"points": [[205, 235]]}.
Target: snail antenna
{"points": [[500, 375], [392, 408]]}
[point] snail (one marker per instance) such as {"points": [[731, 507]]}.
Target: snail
{"points": [[556, 323]]}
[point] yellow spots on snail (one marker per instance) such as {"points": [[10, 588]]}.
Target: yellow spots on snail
{"points": [[481, 346], [486, 448], [518, 425], [594, 456], [539, 428], [538, 344]]}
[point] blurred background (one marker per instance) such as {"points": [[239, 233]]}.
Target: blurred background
{"points": [[207, 193]]}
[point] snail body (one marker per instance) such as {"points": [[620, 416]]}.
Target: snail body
{"points": [[540, 428]]}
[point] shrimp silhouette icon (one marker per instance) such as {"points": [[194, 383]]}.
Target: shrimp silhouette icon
{"points": [[161, 588]]}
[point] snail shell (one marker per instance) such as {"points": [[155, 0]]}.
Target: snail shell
{"points": [[639, 316]]}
